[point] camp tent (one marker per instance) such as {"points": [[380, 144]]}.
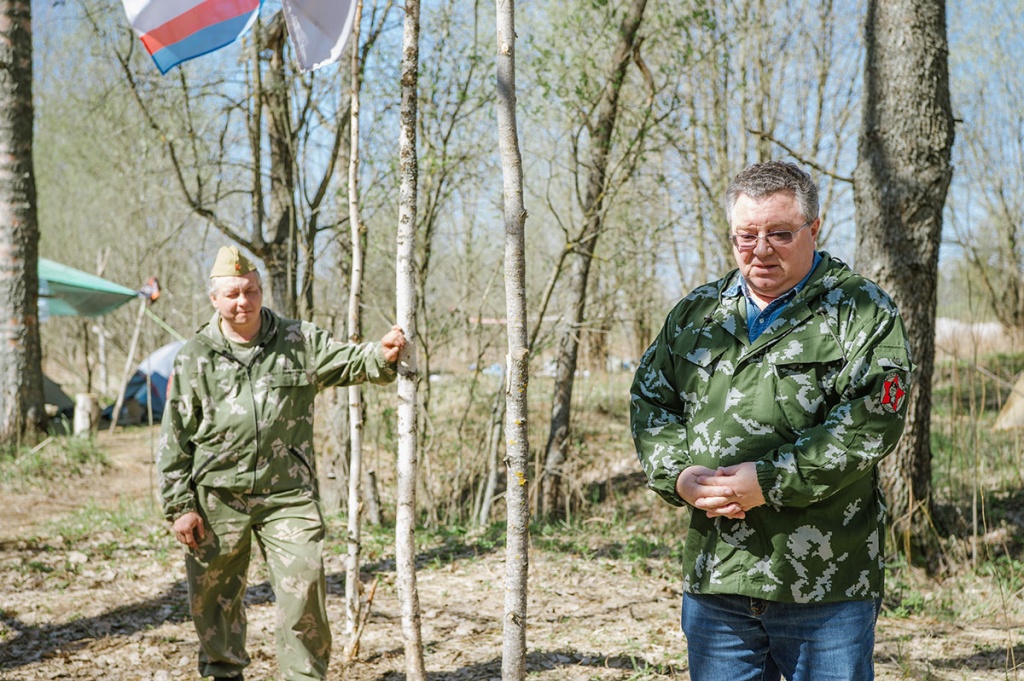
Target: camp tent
{"points": [[65, 291], [147, 386], [55, 395]]}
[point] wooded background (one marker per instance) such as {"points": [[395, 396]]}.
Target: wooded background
{"points": [[711, 89], [140, 174], [577, 170]]}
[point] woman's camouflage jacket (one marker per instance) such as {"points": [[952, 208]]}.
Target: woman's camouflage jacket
{"points": [[248, 426]]}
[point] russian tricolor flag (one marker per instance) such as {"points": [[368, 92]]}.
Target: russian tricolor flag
{"points": [[174, 31]]}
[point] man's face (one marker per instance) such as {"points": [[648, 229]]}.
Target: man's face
{"points": [[238, 300], [773, 269]]}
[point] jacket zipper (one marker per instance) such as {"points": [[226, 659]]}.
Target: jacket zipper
{"points": [[196, 473], [255, 428]]}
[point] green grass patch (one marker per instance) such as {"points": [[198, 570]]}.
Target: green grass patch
{"points": [[128, 521], [616, 538], [55, 459], [105, 533]]}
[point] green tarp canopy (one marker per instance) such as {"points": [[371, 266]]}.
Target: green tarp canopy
{"points": [[65, 291]]}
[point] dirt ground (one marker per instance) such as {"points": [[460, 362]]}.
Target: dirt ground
{"points": [[100, 606]]}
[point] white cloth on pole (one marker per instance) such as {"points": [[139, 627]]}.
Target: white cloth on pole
{"points": [[319, 29]]}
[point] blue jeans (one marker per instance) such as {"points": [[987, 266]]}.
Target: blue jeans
{"points": [[738, 638]]}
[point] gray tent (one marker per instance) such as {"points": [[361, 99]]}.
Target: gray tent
{"points": [[53, 395]]}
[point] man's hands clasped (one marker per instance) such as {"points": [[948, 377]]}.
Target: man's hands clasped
{"points": [[727, 492]]}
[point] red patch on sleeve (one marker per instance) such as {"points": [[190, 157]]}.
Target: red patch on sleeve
{"points": [[893, 393]]}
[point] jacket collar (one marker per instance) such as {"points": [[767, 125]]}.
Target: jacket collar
{"points": [[730, 312], [211, 335]]}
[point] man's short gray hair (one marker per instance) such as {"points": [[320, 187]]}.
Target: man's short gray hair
{"points": [[215, 283], [764, 179]]}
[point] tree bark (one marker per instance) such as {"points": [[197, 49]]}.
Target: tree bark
{"points": [[22, 415], [353, 603], [280, 253], [901, 180], [517, 452], [405, 290], [551, 493]]}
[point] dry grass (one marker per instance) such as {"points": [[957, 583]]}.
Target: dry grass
{"points": [[91, 583]]}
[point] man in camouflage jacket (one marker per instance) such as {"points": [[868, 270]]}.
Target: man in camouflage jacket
{"points": [[765, 404], [236, 460]]}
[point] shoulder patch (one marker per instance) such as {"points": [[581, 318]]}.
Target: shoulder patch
{"points": [[893, 393]]}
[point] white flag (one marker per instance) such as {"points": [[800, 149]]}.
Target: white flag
{"points": [[319, 29]]}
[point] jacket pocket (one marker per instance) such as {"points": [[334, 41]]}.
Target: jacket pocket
{"points": [[805, 384], [206, 464], [290, 378], [290, 394], [314, 481], [696, 371]]}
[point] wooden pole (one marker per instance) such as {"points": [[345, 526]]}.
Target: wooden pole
{"points": [[129, 363]]}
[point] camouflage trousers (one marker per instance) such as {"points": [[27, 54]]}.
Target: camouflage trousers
{"points": [[289, 528]]}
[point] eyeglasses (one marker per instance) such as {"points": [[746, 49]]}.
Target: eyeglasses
{"points": [[748, 242]]}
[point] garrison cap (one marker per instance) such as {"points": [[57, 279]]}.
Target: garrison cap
{"points": [[231, 263]]}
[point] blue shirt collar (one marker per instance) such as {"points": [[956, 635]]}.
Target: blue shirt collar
{"points": [[757, 319]]}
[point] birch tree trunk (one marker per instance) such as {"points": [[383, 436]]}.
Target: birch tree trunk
{"points": [[353, 604], [569, 345], [900, 184], [22, 416], [517, 457], [405, 291]]}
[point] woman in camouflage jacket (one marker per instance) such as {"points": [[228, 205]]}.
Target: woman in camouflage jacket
{"points": [[236, 462]]}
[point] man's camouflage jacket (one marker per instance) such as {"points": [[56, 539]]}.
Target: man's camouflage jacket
{"points": [[816, 401], [248, 426]]}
